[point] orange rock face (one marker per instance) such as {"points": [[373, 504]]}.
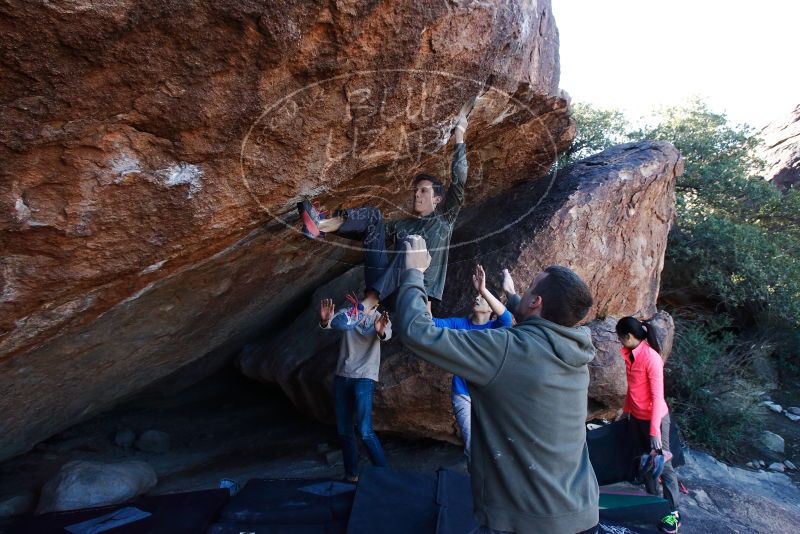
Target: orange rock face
{"points": [[152, 155], [607, 218]]}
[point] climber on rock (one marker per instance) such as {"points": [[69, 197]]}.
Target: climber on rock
{"points": [[435, 215], [363, 327], [530, 469]]}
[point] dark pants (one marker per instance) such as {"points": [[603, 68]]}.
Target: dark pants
{"points": [[382, 268], [354, 405], [670, 479]]}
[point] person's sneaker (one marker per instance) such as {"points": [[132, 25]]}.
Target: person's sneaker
{"points": [[351, 318], [670, 523], [311, 218], [346, 321]]}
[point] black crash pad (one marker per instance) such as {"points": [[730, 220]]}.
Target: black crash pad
{"points": [[175, 513]]}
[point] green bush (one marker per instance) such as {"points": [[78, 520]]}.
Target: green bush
{"points": [[597, 130], [709, 386], [736, 239]]}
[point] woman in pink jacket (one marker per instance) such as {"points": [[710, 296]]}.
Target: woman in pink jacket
{"points": [[645, 403]]}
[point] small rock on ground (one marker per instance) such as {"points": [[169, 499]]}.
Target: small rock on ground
{"points": [[125, 438], [773, 441], [153, 441], [334, 458], [83, 484]]}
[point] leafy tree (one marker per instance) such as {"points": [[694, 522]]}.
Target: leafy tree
{"points": [[597, 130], [736, 238], [707, 385]]}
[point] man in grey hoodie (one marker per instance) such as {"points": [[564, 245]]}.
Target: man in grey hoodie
{"points": [[530, 465]]}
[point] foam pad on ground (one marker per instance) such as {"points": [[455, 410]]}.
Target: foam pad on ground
{"points": [[293, 501], [177, 513]]}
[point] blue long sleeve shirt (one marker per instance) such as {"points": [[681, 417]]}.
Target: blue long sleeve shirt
{"points": [[463, 323]]}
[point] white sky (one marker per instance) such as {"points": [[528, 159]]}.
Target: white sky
{"points": [[742, 57]]}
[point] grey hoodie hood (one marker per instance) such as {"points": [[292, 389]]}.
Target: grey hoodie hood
{"points": [[571, 344]]}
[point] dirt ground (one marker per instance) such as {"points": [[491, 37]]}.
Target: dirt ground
{"points": [[787, 395], [232, 428], [228, 427]]}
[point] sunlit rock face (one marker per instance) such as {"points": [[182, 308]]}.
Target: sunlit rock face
{"points": [[781, 150], [606, 217], [152, 155]]}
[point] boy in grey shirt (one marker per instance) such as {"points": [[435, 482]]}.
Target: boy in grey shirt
{"points": [[363, 327]]}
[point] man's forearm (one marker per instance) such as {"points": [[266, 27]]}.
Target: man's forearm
{"points": [[459, 167], [476, 356]]}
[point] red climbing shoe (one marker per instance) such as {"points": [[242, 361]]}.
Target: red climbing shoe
{"points": [[311, 219]]}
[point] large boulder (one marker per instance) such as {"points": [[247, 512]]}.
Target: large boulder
{"points": [[781, 150], [153, 153], [729, 499], [83, 484], [18, 504], [606, 217]]}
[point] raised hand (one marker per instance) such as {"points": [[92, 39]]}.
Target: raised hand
{"points": [[479, 279], [381, 323], [417, 256], [326, 311], [508, 283]]}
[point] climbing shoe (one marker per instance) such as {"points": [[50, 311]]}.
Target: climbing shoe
{"points": [[351, 318], [652, 465], [645, 466], [670, 523], [658, 465], [311, 218]]}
